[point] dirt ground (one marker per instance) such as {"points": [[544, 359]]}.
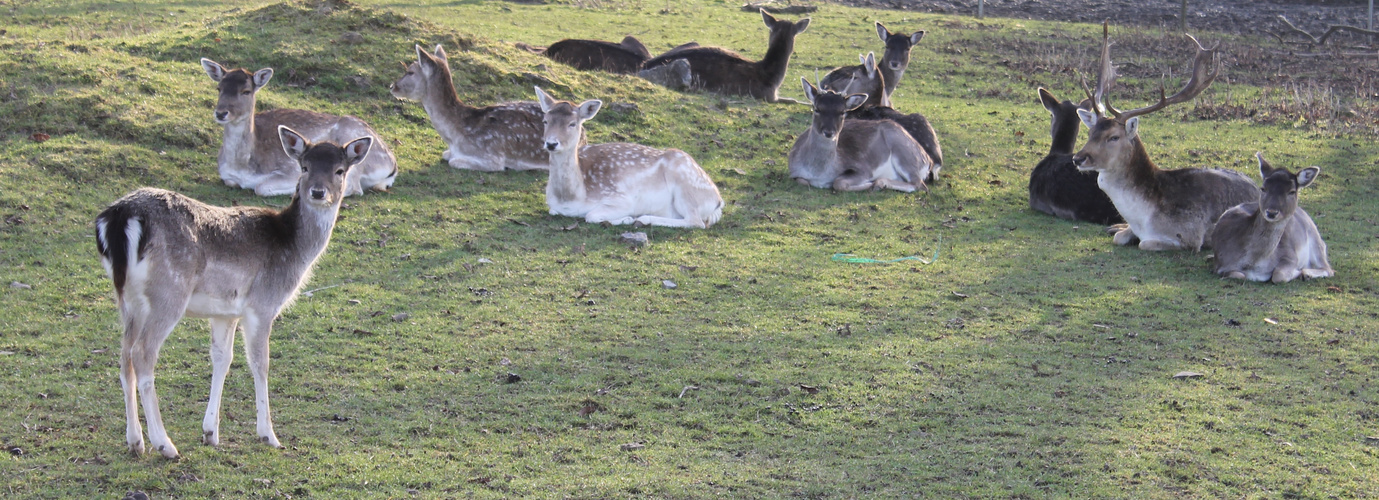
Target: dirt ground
{"points": [[1235, 16]]}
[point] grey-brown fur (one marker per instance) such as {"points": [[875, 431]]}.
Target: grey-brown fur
{"points": [[251, 156], [625, 57], [867, 78], [725, 72], [490, 138], [1056, 187], [855, 155], [1273, 239], [171, 256]]}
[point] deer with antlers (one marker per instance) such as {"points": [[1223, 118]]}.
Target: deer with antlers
{"points": [[1163, 209]]}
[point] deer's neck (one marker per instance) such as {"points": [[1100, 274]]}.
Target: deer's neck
{"points": [[237, 146], [1065, 135], [566, 182], [777, 58], [304, 230], [446, 111], [1267, 235], [890, 79], [1138, 172], [816, 154]]}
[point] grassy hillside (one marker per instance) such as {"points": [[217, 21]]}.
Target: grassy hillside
{"points": [[1032, 359]]}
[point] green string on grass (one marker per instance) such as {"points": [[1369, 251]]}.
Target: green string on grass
{"points": [[850, 259]]}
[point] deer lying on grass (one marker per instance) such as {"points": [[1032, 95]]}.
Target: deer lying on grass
{"points": [[171, 256], [487, 139], [1056, 186], [621, 183], [251, 155], [597, 55], [855, 155], [893, 63], [1273, 239], [867, 78], [725, 72], [1163, 209]]}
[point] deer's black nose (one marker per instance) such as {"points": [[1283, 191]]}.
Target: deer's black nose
{"points": [[220, 115], [550, 146], [318, 194]]}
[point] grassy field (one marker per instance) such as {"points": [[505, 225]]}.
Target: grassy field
{"points": [[1033, 359]]}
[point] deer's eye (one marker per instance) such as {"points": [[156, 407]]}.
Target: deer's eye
{"points": [[1114, 138], [304, 169], [1293, 192], [572, 125], [340, 171], [245, 92]]}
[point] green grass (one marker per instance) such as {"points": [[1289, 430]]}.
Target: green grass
{"points": [[1049, 376]]}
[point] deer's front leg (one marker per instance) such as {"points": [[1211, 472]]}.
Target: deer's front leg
{"points": [[222, 353], [257, 327]]}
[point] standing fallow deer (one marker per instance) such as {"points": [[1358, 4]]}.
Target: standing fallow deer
{"points": [[171, 256], [1273, 239], [487, 139], [855, 155], [251, 155], [725, 72], [597, 55], [1163, 209], [621, 183], [867, 78], [1056, 186]]}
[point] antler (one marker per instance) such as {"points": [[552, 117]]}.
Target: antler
{"points": [[1105, 77], [1204, 71]]}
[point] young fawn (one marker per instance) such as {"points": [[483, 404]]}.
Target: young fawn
{"points": [[1273, 239], [171, 256]]}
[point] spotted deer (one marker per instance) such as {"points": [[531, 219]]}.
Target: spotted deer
{"points": [[171, 256], [1163, 209], [621, 183], [488, 139], [1056, 186], [725, 72], [1272, 239], [251, 155], [855, 155], [867, 78], [625, 57]]}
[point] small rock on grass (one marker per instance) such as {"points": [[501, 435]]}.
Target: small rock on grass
{"points": [[21, 286], [668, 284], [637, 239], [1186, 374], [632, 446]]}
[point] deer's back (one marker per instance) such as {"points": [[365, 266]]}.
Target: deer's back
{"points": [[187, 230], [597, 55], [314, 126], [914, 123], [720, 70], [1203, 193]]}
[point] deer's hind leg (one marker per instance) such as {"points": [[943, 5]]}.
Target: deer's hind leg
{"points": [[139, 357]]}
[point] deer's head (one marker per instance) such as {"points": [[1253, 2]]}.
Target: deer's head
{"points": [[898, 45], [782, 28], [324, 165], [1114, 136], [419, 78], [238, 89], [1279, 198], [564, 121], [829, 109]]}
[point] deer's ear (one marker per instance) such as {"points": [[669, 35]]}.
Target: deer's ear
{"points": [[440, 52], [588, 109], [801, 25], [427, 63], [544, 100], [809, 90], [356, 150], [768, 19], [917, 36], [882, 32], [1264, 167], [1088, 118], [855, 101], [1049, 101], [293, 143], [869, 64], [1132, 128], [261, 77], [213, 69], [1307, 175]]}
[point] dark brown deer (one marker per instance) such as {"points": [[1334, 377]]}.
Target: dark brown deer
{"points": [[489, 138], [1273, 239], [725, 72], [597, 55], [897, 56], [867, 78], [855, 155], [1163, 209], [171, 256], [1056, 186]]}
